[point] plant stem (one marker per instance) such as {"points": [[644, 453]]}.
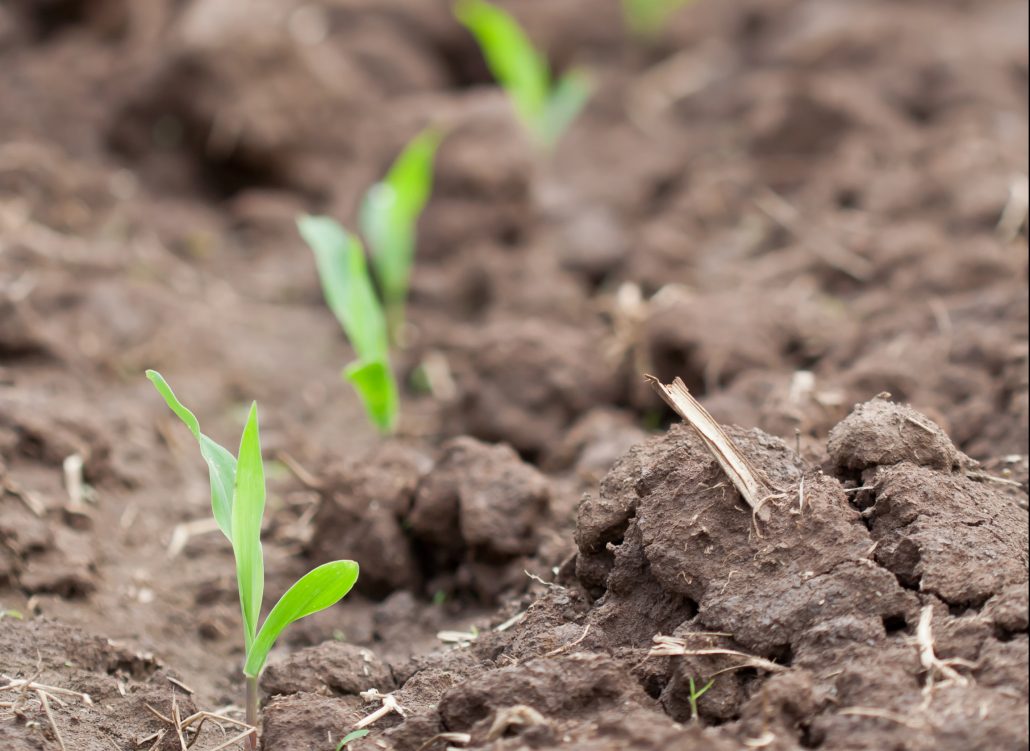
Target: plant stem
{"points": [[252, 707]]}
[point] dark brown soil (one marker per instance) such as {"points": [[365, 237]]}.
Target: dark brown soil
{"points": [[794, 205]]}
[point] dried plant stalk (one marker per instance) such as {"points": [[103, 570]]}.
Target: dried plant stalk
{"points": [[674, 646], [746, 477]]}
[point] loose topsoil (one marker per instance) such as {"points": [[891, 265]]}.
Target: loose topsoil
{"points": [[812, 211]]}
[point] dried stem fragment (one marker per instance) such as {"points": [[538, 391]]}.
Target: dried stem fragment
{"points": [[389, 705], [746, 477], [672, 646], [931, 663]]}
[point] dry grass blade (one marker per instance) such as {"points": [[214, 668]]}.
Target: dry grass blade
{"points": [[570, 645], [234, 740], [31, 500], [822, 243], [450, 737], [50, 716], [156, 737], [880, 714], [177, 721], [52, 691], [671, 646], [746, 477], [932, 664]]}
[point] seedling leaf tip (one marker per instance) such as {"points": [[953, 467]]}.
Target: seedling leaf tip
{"points": [[545, 106], [220, 462], [389, 219]]}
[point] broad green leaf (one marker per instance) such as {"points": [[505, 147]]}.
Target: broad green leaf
{"points": [[509, 54], [248, 508], [389, 216], [352, 736], [221, 464], [347, 285], [565, 102], [377, 388], [316, 590]]}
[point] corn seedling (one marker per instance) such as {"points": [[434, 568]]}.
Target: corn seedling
{"points": [[546, 106], [350, 737], [647, 17], [350, 294], [696, 694], [389, 215], [388, 220], [238, 505]]}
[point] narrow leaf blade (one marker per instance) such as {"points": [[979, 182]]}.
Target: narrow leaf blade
{"points": [[509, 54], [390, 212], [352, 736], [248, 508], [317, 590], [347, 285], [377, 388], [221, 463], [565, 102]]}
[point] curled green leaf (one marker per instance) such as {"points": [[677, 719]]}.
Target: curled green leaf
{"points": [[221, 463], [317, 590], [377, 388]]}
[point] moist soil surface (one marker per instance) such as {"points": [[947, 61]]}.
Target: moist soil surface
{"points": [[813, 212]]}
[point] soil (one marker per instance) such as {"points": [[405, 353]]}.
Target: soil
{"points": [[809, 211]]}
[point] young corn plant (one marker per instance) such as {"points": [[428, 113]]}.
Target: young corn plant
{"points": [[350, 294], [695, 695], [238, 505], [546, 106], [388, 219], [646, 18]]}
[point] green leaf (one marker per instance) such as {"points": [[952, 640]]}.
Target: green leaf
{"points": [[317, 590], [350, 295], [565, 102], [704, 689], [647, 17], [389, 216], [509, 54], [352, 736], [248, 508], [347, 285], [377, 389], [221, 463]]}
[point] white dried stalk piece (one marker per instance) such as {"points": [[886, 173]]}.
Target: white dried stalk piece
{"points": [[746, 477], [74, 483], [672, 646], [931, 663], [389, 705], [881, 714], [461, 638]]}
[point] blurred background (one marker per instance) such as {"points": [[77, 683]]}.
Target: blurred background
{"points": [[791, 204]]}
